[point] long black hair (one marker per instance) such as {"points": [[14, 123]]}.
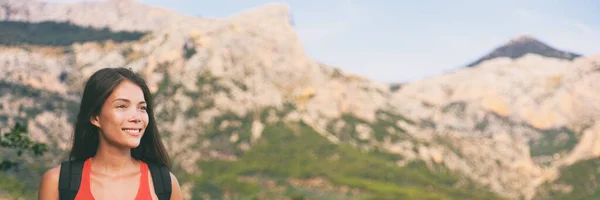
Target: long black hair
{"points": [[97, 89]]}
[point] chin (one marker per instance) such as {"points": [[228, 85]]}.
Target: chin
{"points": [[133, 144]]}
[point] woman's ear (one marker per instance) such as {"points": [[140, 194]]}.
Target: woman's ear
{"points": [[95, 121]]}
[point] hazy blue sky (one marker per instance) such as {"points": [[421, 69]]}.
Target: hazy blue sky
{"points": [[408, 40]]}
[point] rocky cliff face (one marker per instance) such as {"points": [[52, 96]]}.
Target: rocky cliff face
{"points": [[530, 116], [508, 125]]}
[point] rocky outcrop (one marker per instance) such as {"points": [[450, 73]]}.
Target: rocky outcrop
{"points": [[510, 107]]}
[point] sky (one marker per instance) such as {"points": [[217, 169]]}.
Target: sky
{"points": [[410, 40]]}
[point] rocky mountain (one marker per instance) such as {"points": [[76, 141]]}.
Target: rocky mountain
{"points": [[530, 116], [118, 15], [247, 114], [523, 45]]}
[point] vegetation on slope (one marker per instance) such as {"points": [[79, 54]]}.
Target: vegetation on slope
{"points": [[297, 151], [22, 163], [43, 101], [552, 141], [58, 34], [578, 181], [14, 147]]}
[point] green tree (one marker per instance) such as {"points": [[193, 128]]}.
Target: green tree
{"points": [[19, 140]]}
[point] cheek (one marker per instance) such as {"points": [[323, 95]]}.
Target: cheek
{"points": [[111, 121], [146, 119]]}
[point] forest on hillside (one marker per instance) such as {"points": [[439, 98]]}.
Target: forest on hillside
{"points": [[58, 34]]}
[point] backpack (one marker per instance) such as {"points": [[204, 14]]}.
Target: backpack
{"points": [[71, 171]]}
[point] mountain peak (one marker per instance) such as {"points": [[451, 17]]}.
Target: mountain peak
{"points": [[522, 39], [269, 11], [522, 45]]}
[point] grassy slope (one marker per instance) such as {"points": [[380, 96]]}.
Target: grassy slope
{"points": [[583, 177], [297, 151]]}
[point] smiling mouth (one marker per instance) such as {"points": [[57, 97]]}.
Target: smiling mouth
{"points": [[132, 131]]}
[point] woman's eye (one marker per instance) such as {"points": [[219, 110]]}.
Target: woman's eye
{"points": [[143, 107], [121, 106]]}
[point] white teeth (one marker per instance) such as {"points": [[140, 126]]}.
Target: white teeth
{"points": [[132, 130]]}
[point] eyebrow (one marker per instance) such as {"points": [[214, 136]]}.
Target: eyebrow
{"points": [[127, 100]]}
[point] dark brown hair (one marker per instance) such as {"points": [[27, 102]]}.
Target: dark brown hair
{"points": [[97, 89]]}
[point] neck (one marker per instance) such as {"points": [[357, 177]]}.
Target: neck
{"points": [[110, 158]]}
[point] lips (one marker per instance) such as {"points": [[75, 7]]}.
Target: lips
{"points": [[132, 131]]}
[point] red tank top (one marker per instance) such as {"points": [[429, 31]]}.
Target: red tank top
{"points": [[85, 192]]}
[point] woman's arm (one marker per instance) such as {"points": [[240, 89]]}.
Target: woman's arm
{"points": [[49, 185], [175, 189]]}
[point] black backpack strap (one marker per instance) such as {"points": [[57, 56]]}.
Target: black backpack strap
{"points": [[162, 181], [69, 179]]}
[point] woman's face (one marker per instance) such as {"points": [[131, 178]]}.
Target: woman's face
{"points": [[123, 117]]}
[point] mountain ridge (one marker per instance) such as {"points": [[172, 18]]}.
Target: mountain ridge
{"points": [[117, 15], [522, 45]]}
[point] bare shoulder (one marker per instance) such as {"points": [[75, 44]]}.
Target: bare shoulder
{"points": [[51, 176], [175, 188], [174, 180], [49, 184]]}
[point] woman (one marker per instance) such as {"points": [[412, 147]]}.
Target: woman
{"points": [[116, 139]]}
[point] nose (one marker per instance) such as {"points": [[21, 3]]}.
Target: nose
{"points": [[136, 118]]}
